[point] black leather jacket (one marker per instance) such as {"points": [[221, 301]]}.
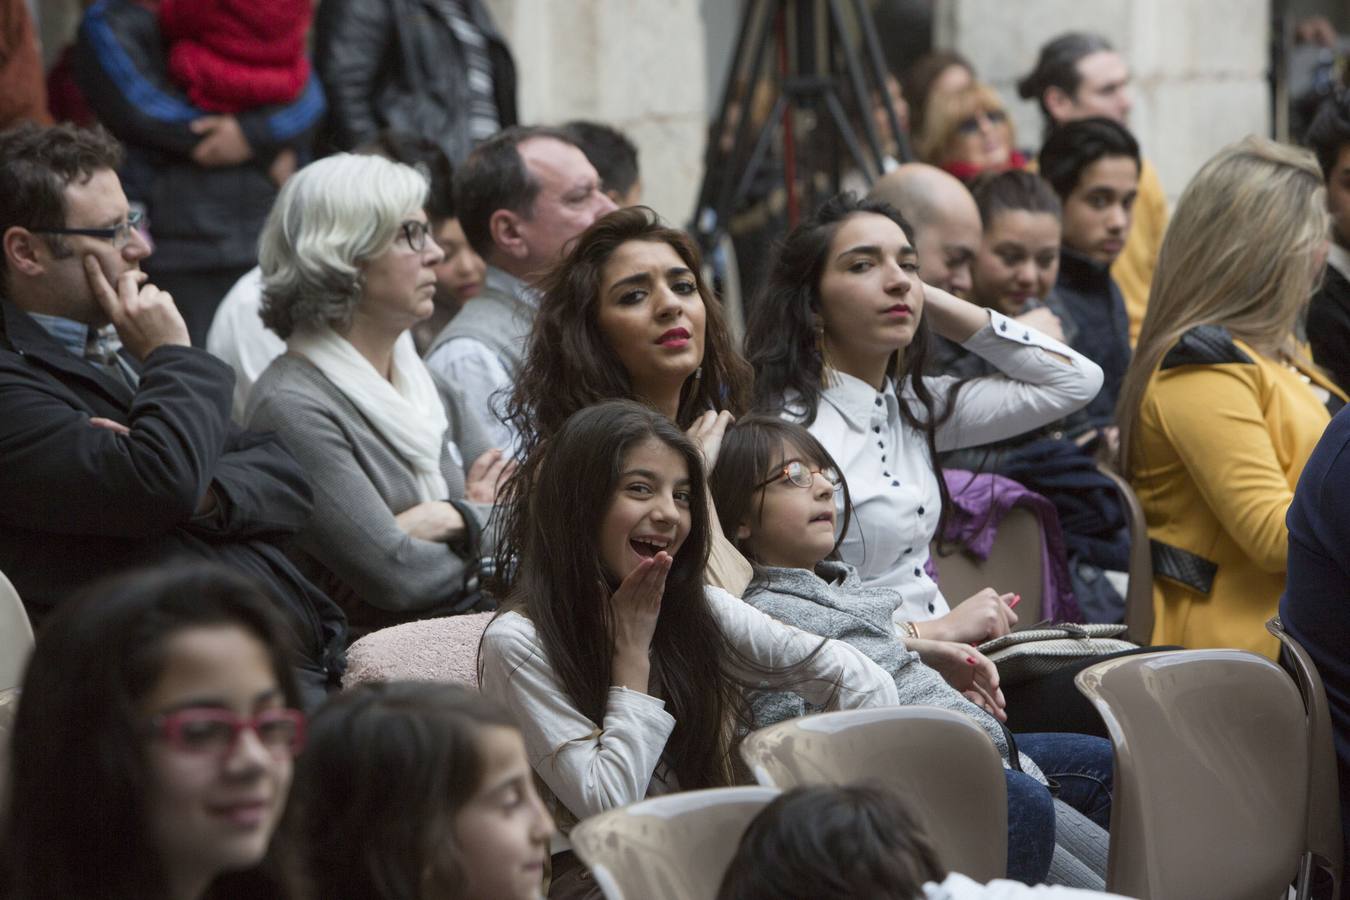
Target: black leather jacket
{"points": [[397, 64]]}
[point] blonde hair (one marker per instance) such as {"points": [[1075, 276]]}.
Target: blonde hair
{"points": [[1237, 253], [946, 115]]}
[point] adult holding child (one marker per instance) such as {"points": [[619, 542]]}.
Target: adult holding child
{"points": [[402, 485]]}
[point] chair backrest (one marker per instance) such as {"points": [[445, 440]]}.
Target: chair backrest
{"points": [[675, 847], [1324, 810], [1139, 594], [16, 636], [1014, 566], [1210, 793], [941, 760]]}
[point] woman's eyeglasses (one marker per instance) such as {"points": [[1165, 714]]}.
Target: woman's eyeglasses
{"points": [[972, 124], [803, 476], [203, 731], [416, 234]]}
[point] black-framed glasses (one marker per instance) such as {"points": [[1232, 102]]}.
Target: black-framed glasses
{"points": [[119, 234], [803, 476], [416, 234], [206, 731]]}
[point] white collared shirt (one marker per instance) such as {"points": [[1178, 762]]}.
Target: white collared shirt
{"points": [[896, 503]]}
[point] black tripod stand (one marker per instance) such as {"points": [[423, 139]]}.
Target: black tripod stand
{"points": [[823, 68]]}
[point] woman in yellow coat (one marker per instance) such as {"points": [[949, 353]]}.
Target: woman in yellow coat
{"points": [[1221, 407]]}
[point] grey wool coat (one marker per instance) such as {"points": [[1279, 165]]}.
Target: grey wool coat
{"points": [[352, 545], [832, 602]]}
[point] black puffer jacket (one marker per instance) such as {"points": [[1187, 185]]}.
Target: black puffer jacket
{"points": [[200, 218], [397, 64]]}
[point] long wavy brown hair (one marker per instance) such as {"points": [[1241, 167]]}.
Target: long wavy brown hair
{"points": [[568, 363]]}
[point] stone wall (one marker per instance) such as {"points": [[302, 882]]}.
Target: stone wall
{"points": [[1199, 66], [635, 64]]}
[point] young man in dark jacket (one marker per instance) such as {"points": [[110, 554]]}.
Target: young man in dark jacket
{"points": [[116, 448], [1093, 165], [206, 182]]}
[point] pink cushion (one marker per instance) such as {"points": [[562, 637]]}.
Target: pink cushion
{"points": [[430, 650]]}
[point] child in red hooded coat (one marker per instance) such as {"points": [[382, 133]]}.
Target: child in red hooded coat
{"points": [[233, 55]]}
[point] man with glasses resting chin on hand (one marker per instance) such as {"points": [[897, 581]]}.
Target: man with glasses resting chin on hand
{"points": [[116, 447]]}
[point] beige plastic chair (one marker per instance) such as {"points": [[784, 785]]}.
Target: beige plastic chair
{"points": [[1013, 566], [1211, 774], [16, 636], [941, 760], [675, 847], [1139, 594], [1324, 845]]}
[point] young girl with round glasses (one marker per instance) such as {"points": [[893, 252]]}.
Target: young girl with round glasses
{"points": [[775, 488], [625, 673], [153, 744]]}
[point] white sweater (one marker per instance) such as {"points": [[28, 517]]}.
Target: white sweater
{"points": [[591, 767]]}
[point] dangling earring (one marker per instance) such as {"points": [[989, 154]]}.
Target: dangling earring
{"points": [[822, 350], [698, 373]]}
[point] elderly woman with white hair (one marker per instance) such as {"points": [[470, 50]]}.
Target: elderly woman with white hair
{"points": [[402, 486]]}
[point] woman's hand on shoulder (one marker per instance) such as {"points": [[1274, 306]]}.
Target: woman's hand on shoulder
{"points": [[434, 520], [980, 618], [965, 669], [486, 476], [707, 432]]}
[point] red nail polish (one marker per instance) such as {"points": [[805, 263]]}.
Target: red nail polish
{"points": [[971, 660]]}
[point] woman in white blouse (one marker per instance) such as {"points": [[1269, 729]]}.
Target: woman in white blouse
{"points": [[839, 341], [625, 673]]}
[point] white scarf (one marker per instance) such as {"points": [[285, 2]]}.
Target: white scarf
{"points": [[406, 411]]}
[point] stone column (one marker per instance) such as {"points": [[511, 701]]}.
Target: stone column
{"points": [[1199, 67], [637, 65]]}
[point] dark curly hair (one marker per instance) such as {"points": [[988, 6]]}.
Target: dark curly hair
{"points": [[569, 365]]}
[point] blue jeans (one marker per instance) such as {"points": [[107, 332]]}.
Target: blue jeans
{"points": [[1081, 765]]}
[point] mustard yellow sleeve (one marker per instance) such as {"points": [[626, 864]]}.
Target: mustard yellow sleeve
{"points": [[1133, 269], [1211, 416]]}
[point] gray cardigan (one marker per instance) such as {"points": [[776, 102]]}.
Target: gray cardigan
{"points": [[360, 484], [833, 603]]}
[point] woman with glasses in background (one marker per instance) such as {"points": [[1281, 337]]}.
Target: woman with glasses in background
{"points": [[152, 750], [402, 486], [969, 133]]}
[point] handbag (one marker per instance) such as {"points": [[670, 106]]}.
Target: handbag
{"points": [[1042, 649]]}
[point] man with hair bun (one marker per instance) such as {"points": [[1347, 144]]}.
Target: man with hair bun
{"points": [[1079, 75]]}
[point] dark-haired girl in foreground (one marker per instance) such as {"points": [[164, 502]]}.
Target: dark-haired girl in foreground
{"points": [[840, 345], [152, 749], [625, 673], [419, 791], [775, 488], [860, 840]]}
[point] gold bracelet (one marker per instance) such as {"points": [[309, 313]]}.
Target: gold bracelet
{"points": [[912, 630]]}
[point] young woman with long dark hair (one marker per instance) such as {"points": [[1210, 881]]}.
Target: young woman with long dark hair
{"points": [[840, 344]]}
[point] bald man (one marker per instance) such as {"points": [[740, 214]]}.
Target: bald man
{"points": [[946, 222]]}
